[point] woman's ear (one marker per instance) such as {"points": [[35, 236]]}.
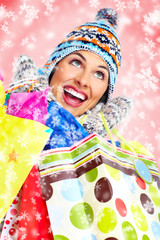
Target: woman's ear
{"points": [[51, 75]]}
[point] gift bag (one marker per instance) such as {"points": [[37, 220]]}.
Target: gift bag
{"points": [[21, 141], [96, 191], [30, 209]]}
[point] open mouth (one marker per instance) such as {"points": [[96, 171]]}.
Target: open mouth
{"points": [[73, 96]]}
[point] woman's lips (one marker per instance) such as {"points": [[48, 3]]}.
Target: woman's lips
{"points": [[74, 96]]}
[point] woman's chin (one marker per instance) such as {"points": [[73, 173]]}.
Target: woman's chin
{"points": [[75, 111]]}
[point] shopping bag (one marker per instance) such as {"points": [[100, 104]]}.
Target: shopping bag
{"points": [[97, 191], [21, 141], [33, 212], [29, 105], [29, 210]]}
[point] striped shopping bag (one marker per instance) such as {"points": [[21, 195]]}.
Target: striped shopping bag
{"points": [[96, 191]]}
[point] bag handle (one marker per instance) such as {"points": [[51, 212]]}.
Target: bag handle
{"points": [[117, 134], [102, 118], [21, 84]]}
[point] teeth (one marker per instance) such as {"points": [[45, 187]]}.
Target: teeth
{"points": [[74, 93]]}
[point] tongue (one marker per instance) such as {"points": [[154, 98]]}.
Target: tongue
{"points": [[72, 98]]}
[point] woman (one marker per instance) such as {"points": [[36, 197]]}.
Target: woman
{"points": [[94, 51], [81, 72]]}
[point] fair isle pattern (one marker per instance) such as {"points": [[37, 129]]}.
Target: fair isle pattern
{"points": [[100, 37], [87, 154]]}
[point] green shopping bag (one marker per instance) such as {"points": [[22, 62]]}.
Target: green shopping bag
{"points": [[96, 191]]}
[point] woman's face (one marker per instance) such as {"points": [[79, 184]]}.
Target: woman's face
{"points": [[79, 81]]}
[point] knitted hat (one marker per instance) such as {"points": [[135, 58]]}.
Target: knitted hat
{"points": [[98, 37]]}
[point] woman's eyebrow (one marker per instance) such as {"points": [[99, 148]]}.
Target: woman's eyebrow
{"points": [[106, 68], [79, 54]]}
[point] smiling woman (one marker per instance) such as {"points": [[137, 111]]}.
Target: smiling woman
{"points": [[79, 81]]}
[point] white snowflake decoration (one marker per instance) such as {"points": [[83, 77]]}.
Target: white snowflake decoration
{"points": [[152, 18], [94, 3], [29, 11], [49, 7], [120, 6], [147, 78]]}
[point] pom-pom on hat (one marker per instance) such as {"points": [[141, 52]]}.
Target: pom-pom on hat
{"points": [[98, 37]]}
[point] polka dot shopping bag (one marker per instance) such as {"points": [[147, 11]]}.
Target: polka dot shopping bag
{"points": [[97, 191]]}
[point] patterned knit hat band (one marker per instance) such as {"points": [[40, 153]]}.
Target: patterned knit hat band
{"points": [[98, 37]]}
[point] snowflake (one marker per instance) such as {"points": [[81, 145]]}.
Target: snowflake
{"points": [[137, 218], [137, 92], [128, 229], [34, 39], [136, 3], [4, 27], [38, 217], [17, 108], [57, 139], [69, 135], [6, 44], [141, 115], [37, 194], [31, 12], [36, 114], [158, 39], [55, 121], [152, 55], [152, 18], [22, 229], [54, 109], [24, 216], [149, 146], [2, 11], [11, 177], [24, 235], [33, 200], [79, 151], [24, 41], [100, 216], [86, 218], [11, 14], [120, 5], [153, 124], [94, 3], [23, 141], [148, 79], [148, 206], [98, 187], [151, 44], [49, 229], [49, 7]]}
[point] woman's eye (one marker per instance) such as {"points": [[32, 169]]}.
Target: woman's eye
{"points": [[99, 75], [76, 63]]}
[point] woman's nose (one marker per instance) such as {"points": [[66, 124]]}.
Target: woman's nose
{"points": [[83, 80]]}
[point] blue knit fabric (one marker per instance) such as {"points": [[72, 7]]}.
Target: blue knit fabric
{"points": [[66, 129]]}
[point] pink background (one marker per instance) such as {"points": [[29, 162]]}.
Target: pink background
{"points": [[35, 28]]}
